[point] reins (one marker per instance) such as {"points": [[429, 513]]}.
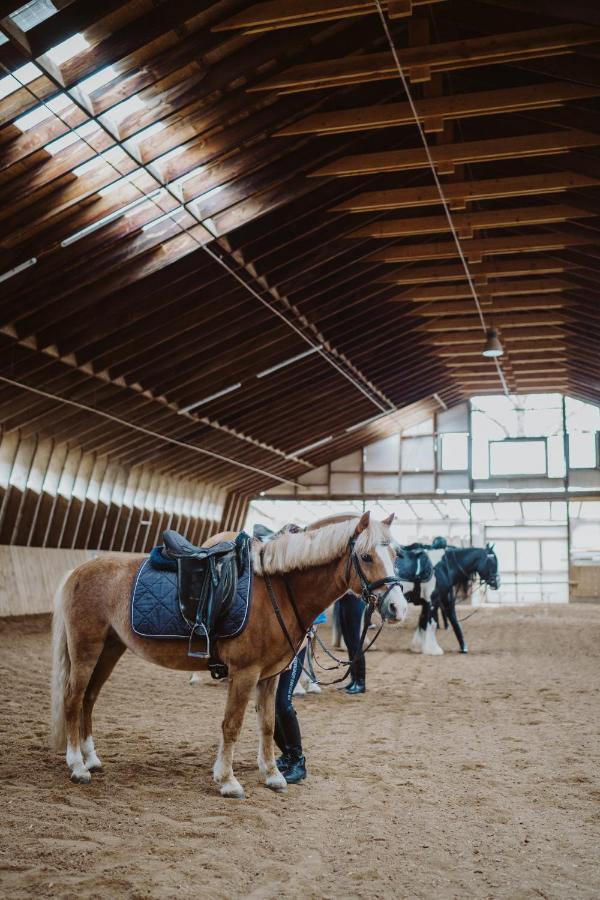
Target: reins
{"points": [[367, 593]]}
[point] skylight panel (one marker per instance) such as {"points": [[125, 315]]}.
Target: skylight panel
{"points": [[61, 143], [148, 132], [179, 182], [67, 49], [31, 119], [59, 103], [115, 156], [27, 73], [31, 14], [87, 167], [86, 129], [98, 79], [126, 108], [167, 157], [11, 83], [119, 183]]}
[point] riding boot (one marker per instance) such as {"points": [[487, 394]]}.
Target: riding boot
{"points": [[296, 770], [292, 763], [279, 735], [359, 674]]}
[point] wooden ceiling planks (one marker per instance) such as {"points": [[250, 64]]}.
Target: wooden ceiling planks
{"points": [[128, 312]]}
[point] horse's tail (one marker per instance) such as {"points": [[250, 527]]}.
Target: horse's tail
{"points": [[61, 668]]}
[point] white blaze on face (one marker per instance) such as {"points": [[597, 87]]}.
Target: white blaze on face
{"points": [[396, 606]]}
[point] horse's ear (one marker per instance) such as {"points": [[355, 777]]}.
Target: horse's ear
{"points": [[363, 522], [389, 519]]}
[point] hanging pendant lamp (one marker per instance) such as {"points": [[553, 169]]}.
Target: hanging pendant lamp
{"points": [[493, 348]]}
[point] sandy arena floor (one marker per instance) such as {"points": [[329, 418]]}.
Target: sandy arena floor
{"points": [[457, 776]]}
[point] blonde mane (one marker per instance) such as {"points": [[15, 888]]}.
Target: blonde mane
{"points": [[322, 542]]}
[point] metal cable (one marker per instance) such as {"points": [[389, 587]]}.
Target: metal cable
{"points": [[368, 393], [438, 184], [146, 431]]}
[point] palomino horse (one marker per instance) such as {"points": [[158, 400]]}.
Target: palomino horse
{"points": [[92, 629]]}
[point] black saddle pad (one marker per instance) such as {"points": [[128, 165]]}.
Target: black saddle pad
{"points": [[155, 611]]}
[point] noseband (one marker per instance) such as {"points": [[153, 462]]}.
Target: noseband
{"points": [[368, 588]]}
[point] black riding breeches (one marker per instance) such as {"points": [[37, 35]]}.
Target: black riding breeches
{"points": [[351, 613], [287, 729]]}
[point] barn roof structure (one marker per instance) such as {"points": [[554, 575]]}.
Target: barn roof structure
{"points": [[222, 252]]}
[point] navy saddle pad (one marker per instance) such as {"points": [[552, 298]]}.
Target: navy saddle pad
{"points": [[155, 611]]}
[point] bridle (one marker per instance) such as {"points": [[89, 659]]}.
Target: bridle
{"points": [[368, 588], [373, 601]]}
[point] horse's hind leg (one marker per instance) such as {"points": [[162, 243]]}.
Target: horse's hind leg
{"points": [[83, 662], [241, 685], [111, 653], [265, 707]]}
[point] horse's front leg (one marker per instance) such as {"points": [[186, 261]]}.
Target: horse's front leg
{"points": [[456, 626], [265, 708], [241, 685]]}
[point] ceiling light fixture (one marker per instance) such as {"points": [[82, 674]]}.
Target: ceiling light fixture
{"points": [[312, 446], [21, 268], [106, 220], [288, 362], [493, 348], [227, 390]]}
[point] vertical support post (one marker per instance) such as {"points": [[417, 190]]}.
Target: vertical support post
{"points": [[566, 484], [470, 467]]}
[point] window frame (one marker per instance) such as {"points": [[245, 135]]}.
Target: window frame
{"points": [[520, 440], [440, 439]]}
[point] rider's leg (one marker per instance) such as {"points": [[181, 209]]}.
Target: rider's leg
{"points": [[352, 609], [288, 738]]}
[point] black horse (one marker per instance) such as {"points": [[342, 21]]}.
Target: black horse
{"points": [[454, 574]]}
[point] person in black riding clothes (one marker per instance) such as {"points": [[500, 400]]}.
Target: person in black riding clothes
{"points": [[351, 610], [292, 762]]}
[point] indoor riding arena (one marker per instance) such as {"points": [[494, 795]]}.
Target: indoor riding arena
{"points": [[300, 449]]}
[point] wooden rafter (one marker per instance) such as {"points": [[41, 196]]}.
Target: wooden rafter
{"points": [[275, 14], [434, 111], [420, 62]]}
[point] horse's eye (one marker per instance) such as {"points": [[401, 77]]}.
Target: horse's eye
{"points": [[366, 558]]}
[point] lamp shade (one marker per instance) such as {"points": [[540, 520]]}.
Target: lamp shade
{"points": [[493, 347]]}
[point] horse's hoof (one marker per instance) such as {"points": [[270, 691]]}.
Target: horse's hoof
{"points": [[464, 649], [277, 783], [233, 792], [96, 767], [81, 777]]}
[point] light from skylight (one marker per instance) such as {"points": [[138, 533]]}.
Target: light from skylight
{"points": [[61, 143], [87, 167], [179, 182], [31, 14], [67, 49], [176, 151], [33, 118], [27, 73], [60, 102], [148, 132], [11, 83], [86, 129], [162, 219], [98, 79], [126, 108], [119, 183]]}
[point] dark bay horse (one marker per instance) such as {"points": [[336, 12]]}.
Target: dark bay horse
{"points": [[455, 570], [92, 629]]}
